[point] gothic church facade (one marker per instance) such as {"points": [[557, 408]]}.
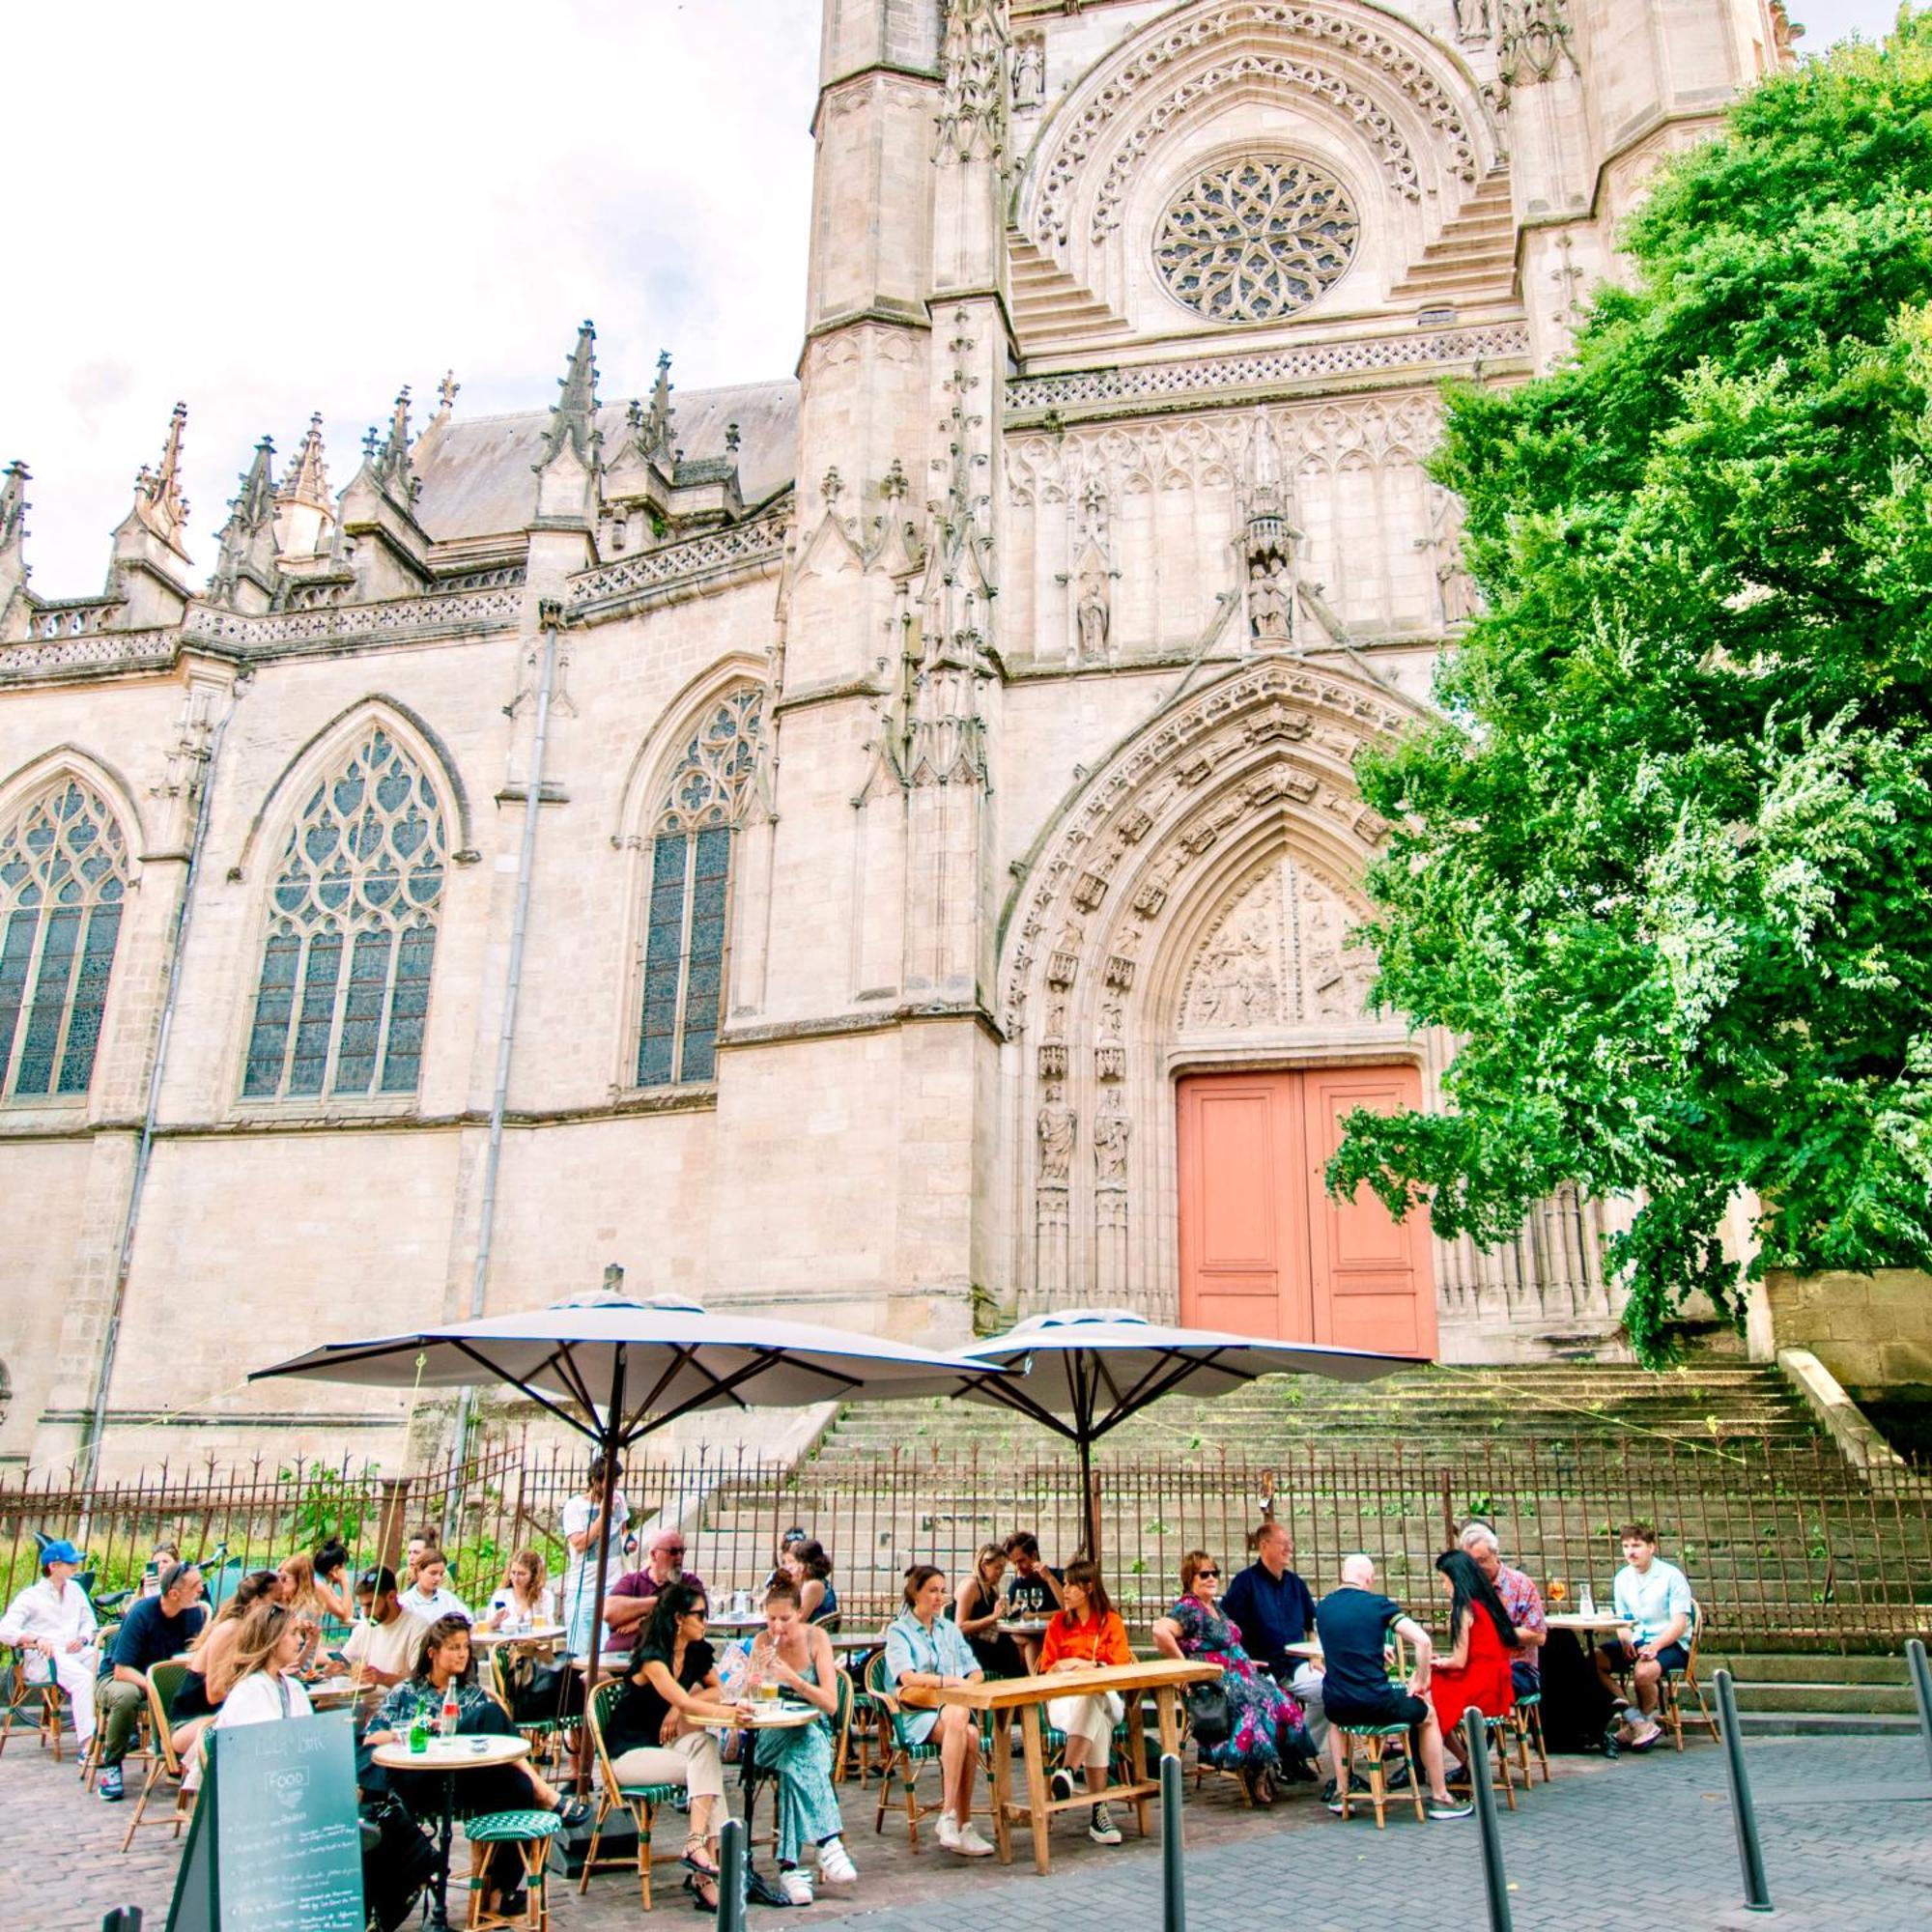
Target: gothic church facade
{"points": [[880, 845]]}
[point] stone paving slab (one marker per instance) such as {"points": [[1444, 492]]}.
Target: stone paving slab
{"points": [[1626, 1847]]}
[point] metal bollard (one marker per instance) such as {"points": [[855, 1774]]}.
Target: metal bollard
{"points": [[122, 1919], [1921, 1688], [1172, 1882], [1750, 1855], [731, 1876], [1477, 1733]]}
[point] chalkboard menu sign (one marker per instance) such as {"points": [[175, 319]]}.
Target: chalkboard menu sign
{"points": [[275, 1844]]}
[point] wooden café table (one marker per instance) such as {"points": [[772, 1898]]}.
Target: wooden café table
{"points": [[1001, 1696]]}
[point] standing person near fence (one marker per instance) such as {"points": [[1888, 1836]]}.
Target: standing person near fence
{"points": [[53, 1623], [583, 1522]]}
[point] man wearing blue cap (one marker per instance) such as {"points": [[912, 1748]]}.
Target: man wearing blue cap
{"points": [[53, 1623]]}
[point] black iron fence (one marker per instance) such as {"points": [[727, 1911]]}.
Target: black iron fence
{"points": [[1785, 1544]]}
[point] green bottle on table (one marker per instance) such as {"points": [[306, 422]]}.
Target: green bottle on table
{"points": [[419, 1731]]}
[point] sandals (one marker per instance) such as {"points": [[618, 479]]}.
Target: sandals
{"points": [[694, 1861], [703, 1894], [574, 1811]]}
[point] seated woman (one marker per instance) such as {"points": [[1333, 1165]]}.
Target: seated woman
{"points": [[299, 1592], [655, 1732], [797, 1655], [1086, 1631], [1475, 1669], [196, 1702], [329, 1567], [444, 1662], [1267, 1731], [258, 1682], [428, 1596], [805, 1564], [980, 1609], [923, 1652], [525, 1596]]}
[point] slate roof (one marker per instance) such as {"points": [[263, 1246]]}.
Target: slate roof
{"points": [[478, 472]]}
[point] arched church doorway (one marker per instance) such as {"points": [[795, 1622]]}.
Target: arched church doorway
{"points": [[1265, 1250]]}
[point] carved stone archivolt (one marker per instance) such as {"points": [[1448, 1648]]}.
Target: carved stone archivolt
{"points": [[1375, 73], [1197, 888]]}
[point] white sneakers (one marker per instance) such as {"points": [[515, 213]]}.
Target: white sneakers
{"points": [[965, 1840], [834, 1864], [795, 1885], [1101, 1827]]}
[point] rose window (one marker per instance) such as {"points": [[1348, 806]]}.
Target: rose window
{"points": [[1256, 240]]}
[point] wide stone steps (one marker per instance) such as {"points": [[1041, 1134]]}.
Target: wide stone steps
{"points": [[1049, 306], [1475, 252], [1815, 1694]]}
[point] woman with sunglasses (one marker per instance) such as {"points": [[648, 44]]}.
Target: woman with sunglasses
{"points": [[655, 1732], [1265, 1729]]}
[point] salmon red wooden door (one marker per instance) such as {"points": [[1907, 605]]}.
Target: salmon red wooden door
{"points": [[1264, 1249]]}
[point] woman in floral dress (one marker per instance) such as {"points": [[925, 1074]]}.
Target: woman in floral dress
{"points": [[1266, 1725]]}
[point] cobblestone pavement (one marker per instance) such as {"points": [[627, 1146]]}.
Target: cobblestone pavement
{"points": [[1626, 1847]]}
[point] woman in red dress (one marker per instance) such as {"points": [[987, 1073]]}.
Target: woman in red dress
{"points": [[1476, 1670]]}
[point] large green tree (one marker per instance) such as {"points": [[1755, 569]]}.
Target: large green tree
{"points": [[1665, 868]]}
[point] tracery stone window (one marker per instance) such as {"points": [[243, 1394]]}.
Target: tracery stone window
{"points": [[1254, 240], [690, 894], [343, 991], [63, 881]]}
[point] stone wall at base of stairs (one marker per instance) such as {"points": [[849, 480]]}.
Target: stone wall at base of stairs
{"points": [[1873, 1331]]}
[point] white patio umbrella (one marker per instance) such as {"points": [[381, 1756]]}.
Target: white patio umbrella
{"points": [[616, 1369], [1081, 1371]]}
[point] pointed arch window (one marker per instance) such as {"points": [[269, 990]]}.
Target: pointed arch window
{"points": [[344, 990], [63, 884], [690, 894]]}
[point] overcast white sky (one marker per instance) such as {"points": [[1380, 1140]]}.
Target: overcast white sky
{"points": [[267, 209]]}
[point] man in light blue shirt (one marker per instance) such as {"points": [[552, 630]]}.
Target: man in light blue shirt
{"points": [[1653, 1598]]}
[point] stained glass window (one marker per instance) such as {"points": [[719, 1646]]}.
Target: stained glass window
{"points": [[686, 917], [343, 991], [63, 880]]}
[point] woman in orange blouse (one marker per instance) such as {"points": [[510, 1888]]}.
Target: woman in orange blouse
{"points": [[1086, 1631]]}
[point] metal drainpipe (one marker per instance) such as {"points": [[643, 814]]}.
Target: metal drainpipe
{"points": [[550, 617], [177, 956]]}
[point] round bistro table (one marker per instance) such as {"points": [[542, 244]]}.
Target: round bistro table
{"points": [[453, 1756]]}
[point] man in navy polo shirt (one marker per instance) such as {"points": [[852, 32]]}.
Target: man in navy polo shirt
{"points": [[1274, 1608], [154, 1630]]}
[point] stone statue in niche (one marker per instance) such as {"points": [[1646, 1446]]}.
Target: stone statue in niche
{"points": [[1091, 616], [1269, 616], [1029, 71], [1057, 1125], [1457, 589], [1472, 20], [1111, 1130]]}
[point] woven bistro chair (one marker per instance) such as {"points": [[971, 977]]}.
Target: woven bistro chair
{"points": [[164, 1680], [45, 1703], [1674, 1683], [641, 1801], [904, 1758]]}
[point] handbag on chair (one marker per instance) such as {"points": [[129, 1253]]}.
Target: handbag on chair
{"points": [[1210, 1716]]}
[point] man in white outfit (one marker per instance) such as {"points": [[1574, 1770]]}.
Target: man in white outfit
{"points": [[53, 1622]]}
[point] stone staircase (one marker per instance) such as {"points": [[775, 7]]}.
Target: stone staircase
{"points": [[1435, 1412], [1814, 1694], [1473, 260], [1813, 1577], [1051, 309]]}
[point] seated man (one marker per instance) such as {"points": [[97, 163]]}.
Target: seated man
{"points": [[154, 1629], [387, 1645], [1354, 1623], [1032, 1591], [631, 1598], [51, 1622], [1273, 1607], [1522, 1599], [1654, 1597]]}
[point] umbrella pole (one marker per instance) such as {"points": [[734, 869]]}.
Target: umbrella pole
{"points": [[614, 1426], [1089, 1501]]}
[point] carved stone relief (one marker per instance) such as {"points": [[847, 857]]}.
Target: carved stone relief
{"points": [[1278, 953]]}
